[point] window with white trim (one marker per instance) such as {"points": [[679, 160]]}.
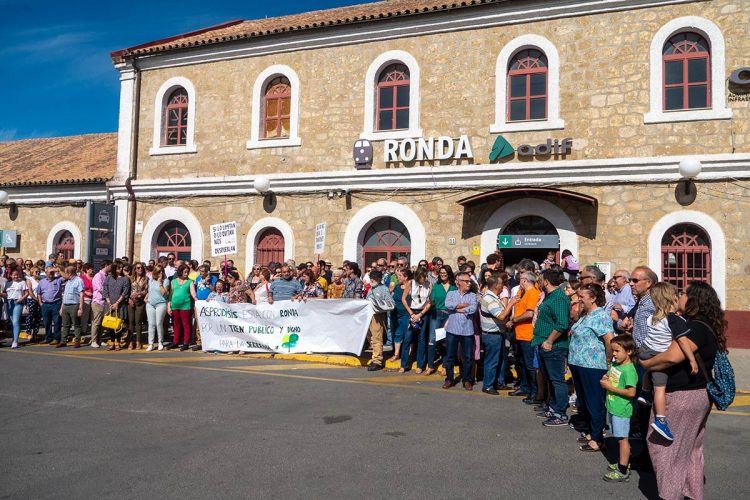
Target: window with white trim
{"points": [[687, 72], [527, 86], [392, 97], [275, 115], [174, 118]]}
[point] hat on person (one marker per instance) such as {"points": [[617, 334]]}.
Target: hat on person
{"points": [[328, 263]]}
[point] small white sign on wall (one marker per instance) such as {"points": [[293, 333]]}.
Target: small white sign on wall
{"points": [[139, 226]]}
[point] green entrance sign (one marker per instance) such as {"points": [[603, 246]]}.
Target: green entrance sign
{"points": [[528, 241], [505, 241]]}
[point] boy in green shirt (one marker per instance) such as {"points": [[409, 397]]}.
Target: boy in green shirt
{"points": [[620, 382]]}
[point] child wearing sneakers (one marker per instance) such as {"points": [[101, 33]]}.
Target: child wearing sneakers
{"points": [[663, 326], [620, 382]]}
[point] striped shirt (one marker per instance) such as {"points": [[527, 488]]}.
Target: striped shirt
{"points": [[553, 314], [490, 309]]}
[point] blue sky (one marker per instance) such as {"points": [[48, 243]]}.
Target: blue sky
{"points": [[57, 78]]}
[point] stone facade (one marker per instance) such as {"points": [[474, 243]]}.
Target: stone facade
{"points": [[37, 224], [604, 94], [614, 231]]}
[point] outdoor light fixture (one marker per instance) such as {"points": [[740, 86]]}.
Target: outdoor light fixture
{"points": [[262, 184], [3, 197], [689, 169]]}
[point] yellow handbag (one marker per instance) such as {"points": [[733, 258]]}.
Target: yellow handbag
{"points": [[112, 321]]}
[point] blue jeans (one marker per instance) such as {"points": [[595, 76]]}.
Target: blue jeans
{"points": [[467, 349], [390, 324], [51, 316], [421, 334], [494, 351], [553, 366], [437, 320], [590, 396], [409, 334], [526, 373], [14, 313], [402, 324]]}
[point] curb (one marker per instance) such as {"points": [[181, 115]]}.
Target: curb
{"points": [[331, 359]]}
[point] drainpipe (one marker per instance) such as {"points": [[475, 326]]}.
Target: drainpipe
{"points": [[133, 163]]}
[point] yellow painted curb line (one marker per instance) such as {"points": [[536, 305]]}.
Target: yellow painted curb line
{"points": [[332, 359]]}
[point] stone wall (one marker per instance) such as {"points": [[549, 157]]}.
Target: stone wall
{"points": [[34, 224], [615, 231], [603, 96]]}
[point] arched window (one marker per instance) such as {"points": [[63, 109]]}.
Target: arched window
{"points": [[174, 237], [687, 72], [386, 238], [270, 247], [65, 243], [277, 107], [685, 255], [393, 98], [527, 86], [176, 118]]}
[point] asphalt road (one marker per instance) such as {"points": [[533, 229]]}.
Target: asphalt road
{"points": [[93, 424]]}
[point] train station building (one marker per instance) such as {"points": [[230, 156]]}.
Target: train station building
{"points": [[417, 128]]}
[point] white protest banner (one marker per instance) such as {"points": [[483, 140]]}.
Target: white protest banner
{"points": [[326, 326], [320, 238], [223, 239]]}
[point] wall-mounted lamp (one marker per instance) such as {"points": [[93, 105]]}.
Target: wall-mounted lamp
{"points": [[690, 168], [262, 184], [3, 197]]}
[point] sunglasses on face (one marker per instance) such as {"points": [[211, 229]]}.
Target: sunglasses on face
{"points": [[635, 280]]}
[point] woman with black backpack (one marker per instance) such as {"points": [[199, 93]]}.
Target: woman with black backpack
{"points": [[679, 464]]}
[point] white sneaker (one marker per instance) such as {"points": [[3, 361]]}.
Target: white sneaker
{"points": [[95, 345], [161, 346], [150, 348], [14, 345]]}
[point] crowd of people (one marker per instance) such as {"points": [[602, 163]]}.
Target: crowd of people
{"points": [[628, 343]]}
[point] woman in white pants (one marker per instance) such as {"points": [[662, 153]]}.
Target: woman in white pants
{"points": [[156, 306]]}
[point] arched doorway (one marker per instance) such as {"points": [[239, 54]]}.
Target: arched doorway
{"points": [[685, 255], [174, 237], [65, 243], [386, 238], [529, 225], [270, 247]]}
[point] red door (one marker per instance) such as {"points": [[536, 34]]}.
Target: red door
{"points": [[270, 247], [66, 244], [685, 255]]}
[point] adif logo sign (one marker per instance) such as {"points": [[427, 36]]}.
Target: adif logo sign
{"points": [[502, 149]]}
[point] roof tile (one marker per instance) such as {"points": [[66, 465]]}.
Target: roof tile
{"points": [[58, 160], [237, 30]]}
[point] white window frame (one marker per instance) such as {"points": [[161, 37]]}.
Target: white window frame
{"points": [[258, 142], [61, 226], [553, 121], [715, 235], [712, 34], [369, 131], [159, 103]]}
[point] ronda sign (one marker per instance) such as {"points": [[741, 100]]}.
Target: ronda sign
{"points": [[441, 148]]}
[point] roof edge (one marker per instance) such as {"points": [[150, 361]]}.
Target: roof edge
{"points": [[124, 52]]}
